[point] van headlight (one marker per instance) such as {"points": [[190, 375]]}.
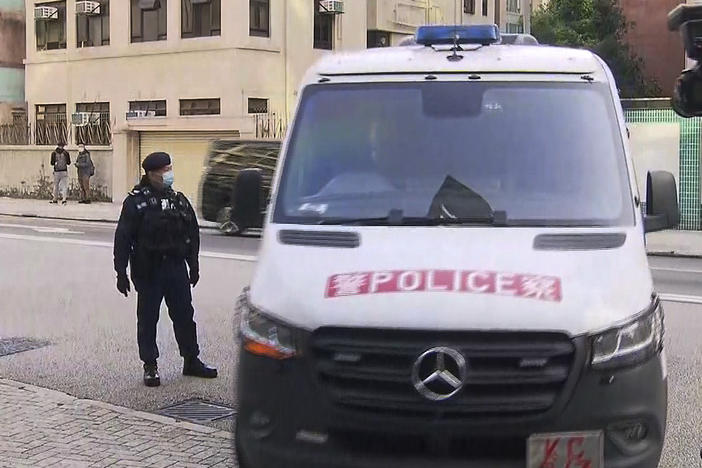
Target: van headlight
{"points": [[263, 335], [632, 343]]}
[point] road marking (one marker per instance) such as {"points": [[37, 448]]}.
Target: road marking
{"points": [[42, 229], [678, 270], [681, 298], [61, 240]]}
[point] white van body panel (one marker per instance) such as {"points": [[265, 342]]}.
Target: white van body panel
{"points": [[599, 287]]}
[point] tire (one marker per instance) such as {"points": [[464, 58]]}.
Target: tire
{"points": [[226, 225]]}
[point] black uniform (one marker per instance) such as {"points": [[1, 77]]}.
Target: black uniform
{"points": [[158, 234]]}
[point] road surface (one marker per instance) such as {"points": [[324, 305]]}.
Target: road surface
{"points": [[57, 284]]}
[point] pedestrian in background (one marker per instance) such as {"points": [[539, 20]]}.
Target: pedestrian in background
{"points": [[60, 159], [158, 236], [86, 169]]}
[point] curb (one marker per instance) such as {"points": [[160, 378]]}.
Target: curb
{"points": [[59, 218], [203, 224], [65, 398], [673, 254]]}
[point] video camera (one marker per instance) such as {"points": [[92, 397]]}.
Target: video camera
{"points": [[687, 98]]}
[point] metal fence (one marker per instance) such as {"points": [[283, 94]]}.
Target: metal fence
{"points": [[50, 133]]}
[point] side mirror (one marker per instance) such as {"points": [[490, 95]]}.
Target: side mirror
{"points": [[247, 198], [662, 210]]}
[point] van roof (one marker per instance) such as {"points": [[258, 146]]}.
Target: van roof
{"points": [[417, 59]]}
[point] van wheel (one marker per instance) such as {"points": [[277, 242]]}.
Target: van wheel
{"points": [[226, 225]]}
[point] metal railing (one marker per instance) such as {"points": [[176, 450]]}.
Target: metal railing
{"points": [[50, 133]]}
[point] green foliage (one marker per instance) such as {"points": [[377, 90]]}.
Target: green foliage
{"points": [[600, 26]]}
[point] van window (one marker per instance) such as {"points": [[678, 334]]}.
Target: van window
{"points": [[545, 154]]}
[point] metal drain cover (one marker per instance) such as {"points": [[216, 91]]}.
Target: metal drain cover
{"points": [[19, 345], [198, 411]]}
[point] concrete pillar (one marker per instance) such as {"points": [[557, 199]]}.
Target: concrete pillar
{"points": [[120, 184]]}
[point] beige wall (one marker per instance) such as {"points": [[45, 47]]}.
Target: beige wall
{"points": [[25, 171], [655, 147]]}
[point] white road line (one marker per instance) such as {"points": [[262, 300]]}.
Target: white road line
{"points": [[61, 240], [678, 270], [681, 298], [45, 229]]}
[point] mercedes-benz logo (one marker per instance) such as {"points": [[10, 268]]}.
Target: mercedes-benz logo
{"points": [[439, 373]]}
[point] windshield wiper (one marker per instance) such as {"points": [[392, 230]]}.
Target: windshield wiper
{"points": [[395, 218]]}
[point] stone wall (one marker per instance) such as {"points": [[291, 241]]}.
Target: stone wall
{"points": [[26, 172]]}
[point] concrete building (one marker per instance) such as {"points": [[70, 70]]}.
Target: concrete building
{"points": [[12, 50], [661, 50], [185, 71], [133, 76], [391, 21], [514, 16]]}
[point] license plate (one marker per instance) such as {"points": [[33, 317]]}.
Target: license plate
{"points": [[566, 450]]}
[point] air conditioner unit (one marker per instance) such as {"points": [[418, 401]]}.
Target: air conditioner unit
{"points": [[331, 7], [136, 114], [87, 8], [44, 13], [82, 119], [140, 114]]}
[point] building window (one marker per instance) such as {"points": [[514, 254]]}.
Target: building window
{"points": [[92, 123], [201, 18], [513, 6], [199, 107], [157, 107], [323, 29], [378, 39], [259, 18], [148, 18], [469, 7], [258, 106], [514, 28], [51, 124], [94, 26], [485, 7], [50, 25]]}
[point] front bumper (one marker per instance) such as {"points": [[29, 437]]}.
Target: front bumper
{"points": [[286, 420]]}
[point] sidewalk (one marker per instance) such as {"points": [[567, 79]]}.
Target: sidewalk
{"points": [[104, 212], [675, 243], [40, 427]]}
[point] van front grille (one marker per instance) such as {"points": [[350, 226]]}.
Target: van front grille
{"points": [[508, 373]]}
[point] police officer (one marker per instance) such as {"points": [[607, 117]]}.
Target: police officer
{"points": [[158, 234]]}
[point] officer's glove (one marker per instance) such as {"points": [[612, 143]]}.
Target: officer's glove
{"points": [[194, 276], [123, 284]]}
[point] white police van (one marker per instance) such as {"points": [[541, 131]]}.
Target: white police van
{"points": [[453, 271]]}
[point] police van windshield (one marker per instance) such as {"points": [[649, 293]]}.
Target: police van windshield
{"points": [[541, 154]]}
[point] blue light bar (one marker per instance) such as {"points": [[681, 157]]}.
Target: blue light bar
{"points": [[484, 34]]}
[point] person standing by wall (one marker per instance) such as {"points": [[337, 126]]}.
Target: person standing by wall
{"points": [[60, 159], [86, 169]]}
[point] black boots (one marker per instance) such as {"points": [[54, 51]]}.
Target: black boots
{"points": [[192, 367], [151, 377], [196, 368]]}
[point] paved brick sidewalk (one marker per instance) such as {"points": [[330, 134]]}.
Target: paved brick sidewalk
{"points": [[40, 427]]}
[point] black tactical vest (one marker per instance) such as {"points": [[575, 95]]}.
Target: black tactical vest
{"points": [[164, 227]]}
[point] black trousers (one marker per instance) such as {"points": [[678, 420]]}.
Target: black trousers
{"points": [[167, 279]]}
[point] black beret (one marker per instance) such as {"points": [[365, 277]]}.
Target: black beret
{"points": [[156, 161]]}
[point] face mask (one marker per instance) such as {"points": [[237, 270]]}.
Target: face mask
{"points": [[168, 178]]}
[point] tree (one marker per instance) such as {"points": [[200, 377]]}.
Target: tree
{"points": [[600, 26]]}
